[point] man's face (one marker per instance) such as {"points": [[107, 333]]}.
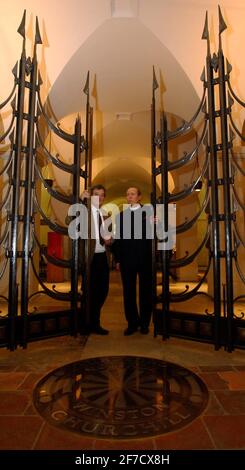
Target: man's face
{"points": [[99, 193], [132, 196]]}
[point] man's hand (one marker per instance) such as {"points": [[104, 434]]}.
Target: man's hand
{"points": [[154, 219], [85, 195], [108, 241]]}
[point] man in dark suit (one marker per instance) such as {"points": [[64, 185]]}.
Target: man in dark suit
{"points": [[99, 267], [132, 249]]}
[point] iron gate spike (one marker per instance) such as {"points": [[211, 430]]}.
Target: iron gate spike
{"points": [[21, 28], [205, 34], [228, 66], [222, 24], [202, 77], [154, 81], [86, 87], [38, 39], [15, 70]]}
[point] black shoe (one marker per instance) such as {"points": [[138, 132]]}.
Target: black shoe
{"points": [[144, 330], [85, 331], [130, 330], [99, 331]]}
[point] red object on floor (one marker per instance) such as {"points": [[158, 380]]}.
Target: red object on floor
{"points": [[55, 249]]}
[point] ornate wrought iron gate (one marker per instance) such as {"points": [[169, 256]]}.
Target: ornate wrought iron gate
{"points": [[23, 147], [20, 208], [221, 201]]}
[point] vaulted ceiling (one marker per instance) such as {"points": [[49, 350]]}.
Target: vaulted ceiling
{"points": [[120, 56]]}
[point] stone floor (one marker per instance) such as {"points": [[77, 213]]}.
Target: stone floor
{"points": [[220, 426]]}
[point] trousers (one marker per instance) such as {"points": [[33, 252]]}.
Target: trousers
{"points": [[99, 286], [134, 316]]}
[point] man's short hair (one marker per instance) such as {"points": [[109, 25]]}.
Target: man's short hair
{"points": [[137, 189], [98, 186]]}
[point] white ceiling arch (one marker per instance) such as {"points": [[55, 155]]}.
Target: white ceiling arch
{"points": [[120, 53]]}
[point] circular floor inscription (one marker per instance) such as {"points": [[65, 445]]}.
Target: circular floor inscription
{"points": [[121, 397]]}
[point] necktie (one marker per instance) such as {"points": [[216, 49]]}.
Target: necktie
{"points": [[102, 241], [132, 225]]}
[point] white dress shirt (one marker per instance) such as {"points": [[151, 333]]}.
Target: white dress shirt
{"points": [[95, 213], [134, 208]]}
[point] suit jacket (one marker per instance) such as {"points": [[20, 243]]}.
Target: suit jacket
{"points": [[83, 248], [132, 251]]}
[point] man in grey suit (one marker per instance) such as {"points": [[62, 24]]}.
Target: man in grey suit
{"points": [[99, 267]]}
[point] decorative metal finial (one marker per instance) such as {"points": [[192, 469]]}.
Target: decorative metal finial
{"points": [[222, 27], [21, 28], [15, 70], [38, 39], [202, 77], [78, 118], [222, 24], [86, 87], [154, 81], [205, 34], [228, 66]]}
